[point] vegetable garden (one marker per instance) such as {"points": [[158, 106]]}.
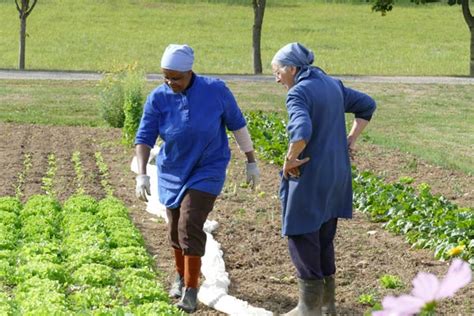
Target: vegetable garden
{"points": [[70, 246]]}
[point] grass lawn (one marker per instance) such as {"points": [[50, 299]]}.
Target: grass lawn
{"points": [[432, 121], [92, 35]]}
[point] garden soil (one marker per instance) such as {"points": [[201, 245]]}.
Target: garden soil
{"points": [[255, 254]]}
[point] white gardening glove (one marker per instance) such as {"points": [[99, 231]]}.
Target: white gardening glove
{"points": [[143, 187], [253, 174]]}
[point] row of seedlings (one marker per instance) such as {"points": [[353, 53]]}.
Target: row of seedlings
{"points": [[104, 173]]}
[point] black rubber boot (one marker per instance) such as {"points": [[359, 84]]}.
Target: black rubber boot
{"points": [[177, 287], [310, 300], [329, 297], [188, 301]]}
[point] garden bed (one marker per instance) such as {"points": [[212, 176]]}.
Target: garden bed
{"points": [[255, 254]]}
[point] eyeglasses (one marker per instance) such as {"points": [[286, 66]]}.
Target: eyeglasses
{"points": [[173, 79]]}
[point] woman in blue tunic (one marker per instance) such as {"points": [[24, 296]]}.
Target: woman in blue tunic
{"points": [[190, 113], [316, 186]]}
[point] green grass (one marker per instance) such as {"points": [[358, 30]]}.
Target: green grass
{"points": [[50, 102], [347, 38], [434, 122], [431, 121]]}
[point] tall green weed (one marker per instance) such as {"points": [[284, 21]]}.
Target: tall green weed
{"points": [[134, 84], [121, 86]]}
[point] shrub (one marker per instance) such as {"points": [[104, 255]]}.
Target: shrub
{"points": [[133, 105], [122, 85]]}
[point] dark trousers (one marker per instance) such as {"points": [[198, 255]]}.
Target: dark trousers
{"points": [[185, 223], [313, 253]]}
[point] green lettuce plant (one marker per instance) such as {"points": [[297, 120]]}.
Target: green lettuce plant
{"points": [[93, 274]]}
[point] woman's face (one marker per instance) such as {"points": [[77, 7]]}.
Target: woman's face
{"points": [[284, 75], [178, 81]]}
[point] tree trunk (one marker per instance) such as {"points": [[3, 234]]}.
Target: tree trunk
{"points": [[470, 23], [21, 59], [259, 10], [24, 9]]}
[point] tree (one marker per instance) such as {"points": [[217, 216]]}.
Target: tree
{"points": [[24, 9], [258, 10], [384, 6]]}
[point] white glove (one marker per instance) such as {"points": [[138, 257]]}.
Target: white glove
{"points": [[143, 187], [253, 174]]}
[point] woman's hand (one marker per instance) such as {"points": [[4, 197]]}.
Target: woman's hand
{"points": [[291, 167], [351, 146], [253, 174]]}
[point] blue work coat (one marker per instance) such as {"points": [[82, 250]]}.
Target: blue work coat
{"points": [[192, 124], [316, 105]]}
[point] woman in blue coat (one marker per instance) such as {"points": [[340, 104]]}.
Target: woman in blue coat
{"points": [[316, 184], [191, 114]]}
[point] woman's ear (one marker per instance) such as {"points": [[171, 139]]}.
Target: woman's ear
{"points": [[293, 70]]}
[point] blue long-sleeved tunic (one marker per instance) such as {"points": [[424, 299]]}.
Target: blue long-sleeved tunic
{"points": [[192, 124], [316, 105]]}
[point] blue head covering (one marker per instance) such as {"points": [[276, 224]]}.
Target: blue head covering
{"points": [[178, 57], [293, 54]]}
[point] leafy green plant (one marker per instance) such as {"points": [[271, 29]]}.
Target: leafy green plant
{"points": [[76, 159], [145, 272], [140, 290], [94, 274], [133, 104], [366, 299], [80, 203], [9, 218], [10, 204], [47, 180], [91, 298], [111, 97], [40, 205], [389, 281], [268, 131], [7, 270], [427, 220], [104, 173], [38, 228], [158, 308], [9, 237], [112, 207], [6, 304], [27, 163], [121, 98], [37, 296], [44, 250], [135, 257], [42, 269], [76, 243]]}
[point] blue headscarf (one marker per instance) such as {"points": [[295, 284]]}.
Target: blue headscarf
{"points": [[178, 57], [293, 54]]}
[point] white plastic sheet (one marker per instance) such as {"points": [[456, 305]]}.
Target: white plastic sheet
{"points": [[213, 290]]}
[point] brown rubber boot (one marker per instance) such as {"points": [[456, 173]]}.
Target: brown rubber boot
{"points": [[178, 284], [329, 297], [310, 298], [192, 270]]}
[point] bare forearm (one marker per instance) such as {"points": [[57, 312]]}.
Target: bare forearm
{"points": [[250, 156], [357, 127], [143, 153], [295, 149]]}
